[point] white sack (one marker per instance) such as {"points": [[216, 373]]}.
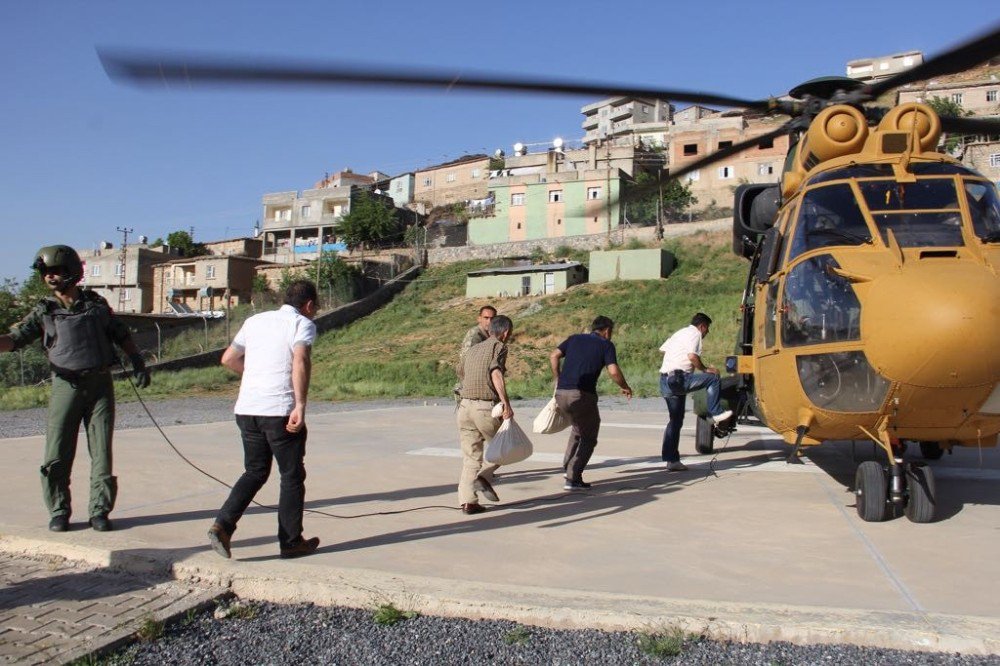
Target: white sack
{"points": [[510, 445], [551, 419]]}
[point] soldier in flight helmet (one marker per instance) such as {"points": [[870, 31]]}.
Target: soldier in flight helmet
{"points": [[78, 331]]}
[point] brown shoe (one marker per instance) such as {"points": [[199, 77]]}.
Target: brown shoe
{"points": [[472, 508], [220, 538], [301, 549]]}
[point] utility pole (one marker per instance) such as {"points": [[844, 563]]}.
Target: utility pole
{"points": [[659, 204], [121, 266]]}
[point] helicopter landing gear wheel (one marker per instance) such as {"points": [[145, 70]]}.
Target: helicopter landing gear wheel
{"points": [[704, 435], [922, 498], [871, 491], [931, 450]]}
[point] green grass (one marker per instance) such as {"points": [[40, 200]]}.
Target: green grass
{"points": [[387, 615], [517, 636], [665, 643], [150, 630], [409, 347]]}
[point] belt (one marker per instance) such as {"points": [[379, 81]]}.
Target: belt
{"points": [[491, 400], [72, 375]]}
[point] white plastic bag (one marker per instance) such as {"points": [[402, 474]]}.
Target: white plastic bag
{"points": [[510, 445], [551, 419]]}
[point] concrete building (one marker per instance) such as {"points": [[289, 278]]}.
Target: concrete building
{"points": [[977, 91], [245, 247], [651, 264], [535, 279], [209, 282], [128, 286], [872, 69], [401, 189], [555, 193], [452, 182], [627, 121], [700, 134]]}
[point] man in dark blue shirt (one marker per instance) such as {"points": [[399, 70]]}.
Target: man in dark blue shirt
{"points": [[585, 354]]}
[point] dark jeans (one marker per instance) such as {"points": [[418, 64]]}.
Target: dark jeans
{"points": [[693, 381], [265, 437], [582, 409]]}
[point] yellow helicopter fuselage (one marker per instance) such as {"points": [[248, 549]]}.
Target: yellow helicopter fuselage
{"points": [[880, 307]]}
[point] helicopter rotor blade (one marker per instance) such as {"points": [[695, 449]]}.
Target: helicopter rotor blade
{"points": [[147, 69], [957, 125], [734, 149], [957, 59]]}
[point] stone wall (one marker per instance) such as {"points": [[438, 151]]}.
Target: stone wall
{"points": [[446, 255]]}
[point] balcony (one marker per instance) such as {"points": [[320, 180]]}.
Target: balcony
{"points": [[622, 111], [590, 122]]}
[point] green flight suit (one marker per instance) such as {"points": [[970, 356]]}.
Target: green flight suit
{"points": [[80, 397]]}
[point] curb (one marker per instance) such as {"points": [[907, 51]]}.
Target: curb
{"points": [[556, 608]]}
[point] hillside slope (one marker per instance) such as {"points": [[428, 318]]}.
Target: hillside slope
{"points": [[409, 347]]}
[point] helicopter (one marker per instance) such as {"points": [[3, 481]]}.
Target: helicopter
{"points": [[872, 300]]}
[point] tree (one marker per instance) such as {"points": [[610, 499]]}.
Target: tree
{"points": [[370, 221], [183, 241], [642, 209], [944, 106]]}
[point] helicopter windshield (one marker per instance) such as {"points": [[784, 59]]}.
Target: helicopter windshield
{"points": [[818, 306], [984, 205], [920, 214], [829, 215]]}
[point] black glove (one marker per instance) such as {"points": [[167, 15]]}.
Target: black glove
{"points": [[139, 371]]}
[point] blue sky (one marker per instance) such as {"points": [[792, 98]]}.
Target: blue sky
{"points": [[81, 155]]}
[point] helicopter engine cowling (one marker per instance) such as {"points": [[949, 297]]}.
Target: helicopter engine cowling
{"points": [[837, 130], [903, 117]]}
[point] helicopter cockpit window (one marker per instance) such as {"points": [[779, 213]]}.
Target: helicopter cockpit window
{"points": [[818, 306], [829, 216], [984, 206], [841, 382], [920, 214]]}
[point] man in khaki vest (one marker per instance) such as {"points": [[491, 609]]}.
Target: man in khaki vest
{"points": [[483, 386]]}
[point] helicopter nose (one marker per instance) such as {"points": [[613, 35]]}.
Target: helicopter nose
{"points": [[934, 325]]}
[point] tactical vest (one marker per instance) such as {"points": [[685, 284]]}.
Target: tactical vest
{"points": [[78, 341]]}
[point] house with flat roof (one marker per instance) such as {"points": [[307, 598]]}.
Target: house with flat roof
{"points": [[528, 280]]}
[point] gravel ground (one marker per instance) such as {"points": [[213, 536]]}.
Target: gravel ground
{"points": [[295, 634], [285, 634]]}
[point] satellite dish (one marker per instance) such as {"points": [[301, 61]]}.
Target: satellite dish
{"points": [[106, 245], [143, 240], [519, 148], [498, 152], [557, 143]]}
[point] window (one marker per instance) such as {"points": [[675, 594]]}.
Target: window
{"points": [[95, 270], [956, 98], [920, 214], [304, 211], [818, 306], [829, 216], [995, 159], [694, 176], [517, 199], [765, 169], [555, 196], [119, 270], [725, 144], [690, 148], [991, 95], [125, 295], [427, 182], [763, 145], [210, 272], [451, 178], [593, 193], [475, 173], [645, 109], [726, 172], [984, 206]]}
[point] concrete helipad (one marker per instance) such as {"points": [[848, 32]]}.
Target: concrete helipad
{"points": [[742, 546]]}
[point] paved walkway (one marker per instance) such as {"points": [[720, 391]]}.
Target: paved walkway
{"points": [[742, 546], [54, 610]]}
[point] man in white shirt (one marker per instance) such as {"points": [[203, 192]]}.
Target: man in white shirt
{"points": [[272, 352], [681, 372]]}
